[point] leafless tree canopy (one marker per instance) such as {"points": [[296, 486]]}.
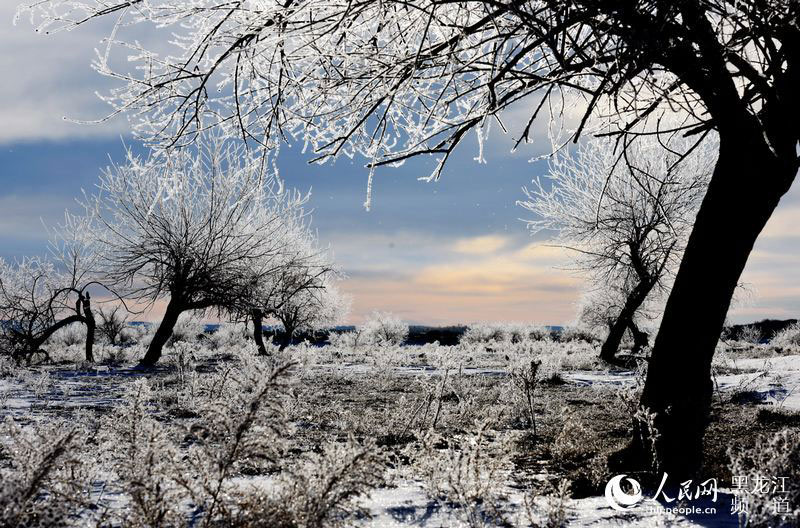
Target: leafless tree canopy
{"points": [[389, 80]]}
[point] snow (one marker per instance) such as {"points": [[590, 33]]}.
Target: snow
{"points": [[407, 505], [771, 381]]}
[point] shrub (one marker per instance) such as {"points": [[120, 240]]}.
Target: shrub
{"points": [[788, 336], [323, 491], [112, 325], [578, 333], [230, 335], [483, 333], [468, 474], [73, 334], [504, 332], [188, 328], [770, 458], [39, 482], [384, 328]]}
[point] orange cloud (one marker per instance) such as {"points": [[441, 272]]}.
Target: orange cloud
{"points": [[482, 245], [516, 284]]}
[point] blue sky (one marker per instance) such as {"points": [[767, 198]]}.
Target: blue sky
{"points": [[436, 253]]}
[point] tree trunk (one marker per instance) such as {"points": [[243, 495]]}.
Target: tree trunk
{"points": [[91, 324], [746, 186], [174, 309], [640, 339], [258, 331], [624, 320], [288, 333]]}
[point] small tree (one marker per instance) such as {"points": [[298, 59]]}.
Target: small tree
{"points": [[35, 302], [384, 328], [194, 225], [600, 309], [318, 306], [38, 297], [294, 292], [625, 214]]}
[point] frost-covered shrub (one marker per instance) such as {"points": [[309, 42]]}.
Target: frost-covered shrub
{"points": [[116, 355], [578, 333], [483, 333], [352, 339], [188, 449], [553, 512], [774, 460], [753, 335], [40, 484], [580, 452], [188, 328], [230, 335], [7, 367], [384, 328], [143, 458], [789, 336], [112, 325], [524, 377], [140, 333], [504, 332], [322, 491], [468, 473], [73, 334]]}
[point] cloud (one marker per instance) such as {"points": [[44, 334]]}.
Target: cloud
{"points": [[491, 277], [773, 269], [783, 223], [48, 77], [480, 245]]}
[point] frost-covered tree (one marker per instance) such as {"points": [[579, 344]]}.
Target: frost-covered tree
{"points": [[390, 80], [41, 296], [189, 226], [304, 296], [600, 308], [36, 301], [300, 293], [319, 305], [625, 213]]}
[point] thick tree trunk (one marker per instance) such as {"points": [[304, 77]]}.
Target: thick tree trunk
{"points": [[174, 309], [88, 316], [746, 186], [258, 331], [624, 320]]}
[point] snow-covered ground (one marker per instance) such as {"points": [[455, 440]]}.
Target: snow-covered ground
{"points": [[405, 502], [408, 506], [772, 381]]}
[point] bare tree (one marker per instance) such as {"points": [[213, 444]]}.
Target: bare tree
{"points": [[35, 302], [626, 220], [319, 304], [40, 296], [300, 295], [601, 307], [190, 225], [391, 79]]}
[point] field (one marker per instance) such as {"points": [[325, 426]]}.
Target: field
{"points": [[498, 430]]}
